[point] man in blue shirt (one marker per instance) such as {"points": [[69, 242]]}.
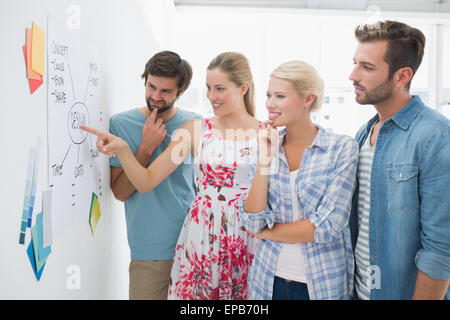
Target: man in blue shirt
{"points": [[154, 219], [400, 218]]}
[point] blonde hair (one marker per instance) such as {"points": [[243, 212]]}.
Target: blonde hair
{"points": [[304, 78], [238, 69]]}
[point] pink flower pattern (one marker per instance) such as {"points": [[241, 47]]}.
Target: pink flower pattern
{"points": [[214, 252]]}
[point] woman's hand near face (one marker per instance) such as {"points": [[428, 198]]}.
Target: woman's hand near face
{"points": [[268, 143]]}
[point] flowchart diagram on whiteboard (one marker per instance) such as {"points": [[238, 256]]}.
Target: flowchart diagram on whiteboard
{"points": [[76, 170]]}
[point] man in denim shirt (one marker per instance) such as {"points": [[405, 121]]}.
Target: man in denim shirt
{"points": [[400, 218]]}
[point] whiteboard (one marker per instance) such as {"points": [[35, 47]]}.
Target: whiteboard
{"points": [[75, 170], [116, 36]]}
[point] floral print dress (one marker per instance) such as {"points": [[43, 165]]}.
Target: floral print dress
{"points": [[214, 252]]}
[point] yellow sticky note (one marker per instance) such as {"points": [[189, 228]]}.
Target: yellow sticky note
{"points": [[37, 49], [95, 213]]}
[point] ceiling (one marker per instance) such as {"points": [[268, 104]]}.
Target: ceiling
{"points": [[437, 6]]}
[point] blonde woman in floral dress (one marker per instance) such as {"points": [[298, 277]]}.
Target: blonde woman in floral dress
{"points": [[214, 252]]}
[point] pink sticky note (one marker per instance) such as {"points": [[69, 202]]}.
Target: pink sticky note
{"points": [[34, 84], [30, 72]]}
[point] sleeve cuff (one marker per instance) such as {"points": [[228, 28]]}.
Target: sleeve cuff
{"points": [[322, 234], [433, 265], [114, 162], [255, 222]]}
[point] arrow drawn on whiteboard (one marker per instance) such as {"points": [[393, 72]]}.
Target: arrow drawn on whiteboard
{"points": [[66, 154], [87, 87]]}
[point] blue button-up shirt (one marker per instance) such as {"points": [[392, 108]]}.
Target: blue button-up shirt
{"points": [[409, 219], [324, 188]]}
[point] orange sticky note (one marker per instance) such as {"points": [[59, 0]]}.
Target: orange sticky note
{"points": [[37, 49], [33, 83], [30, 73]]}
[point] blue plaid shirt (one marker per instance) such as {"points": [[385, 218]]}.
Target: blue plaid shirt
{"points": [[325, 184]]}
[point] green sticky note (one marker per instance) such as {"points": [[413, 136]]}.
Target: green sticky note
{"points": [[94, 214]]}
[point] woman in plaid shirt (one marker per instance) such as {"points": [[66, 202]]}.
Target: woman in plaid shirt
{"points": [[300, 199]]}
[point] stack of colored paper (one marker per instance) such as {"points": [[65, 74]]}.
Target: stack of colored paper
{"points": [[30, 189], [36, 252], [34, 52], [94, 214]]}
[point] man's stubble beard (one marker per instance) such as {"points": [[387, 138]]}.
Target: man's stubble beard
{"points": [[378, 94], [162, 109]]}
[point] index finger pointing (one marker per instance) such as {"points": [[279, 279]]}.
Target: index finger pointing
{"points": [[91, 130]]}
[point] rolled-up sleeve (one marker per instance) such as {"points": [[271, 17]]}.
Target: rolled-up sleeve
{"points": [[255, 222], [333, 212], [434, 265], [433, 258]]}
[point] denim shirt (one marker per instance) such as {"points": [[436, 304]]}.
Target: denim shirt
{"points": [[409, 220]]}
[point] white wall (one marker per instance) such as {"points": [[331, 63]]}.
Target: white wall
{"points": [[323, 38], [121, 35]]}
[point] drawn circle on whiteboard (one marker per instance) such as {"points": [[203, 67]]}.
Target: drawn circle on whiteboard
{"points": [[78, 116]]}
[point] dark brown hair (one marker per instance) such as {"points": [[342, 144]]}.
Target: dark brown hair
{"points": [[238, 70], [405, 44], [169, 64]]}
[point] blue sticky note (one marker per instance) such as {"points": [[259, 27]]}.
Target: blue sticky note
{"points": [[40, 253], [43, 252], [30, 252]]}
